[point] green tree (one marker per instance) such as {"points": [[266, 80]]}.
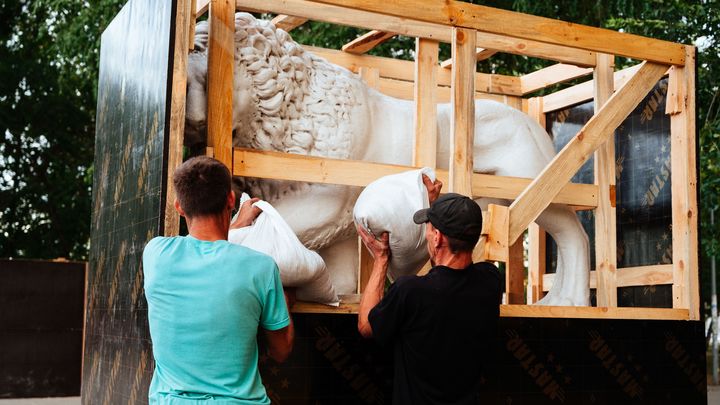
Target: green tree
{"points": [[49, 51]]}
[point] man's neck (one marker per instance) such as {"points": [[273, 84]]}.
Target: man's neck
{"points": [[209, 228], [455, 261]]}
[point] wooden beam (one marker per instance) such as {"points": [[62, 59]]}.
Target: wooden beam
{"points": [[371, 77], [551, 75], [605, 218], [628, 277], [425, 119], [414, 28], [462, 122], [220, 79], [583, 92], [185, 22], [542, 311], [530, 311], [525, 26], [405, 70], [367, 41], [537, 196], [288, 22], [313, 169], [515, 274], [536, 263], [191, 26], [681, 107], [480, 55], [201, 7]]}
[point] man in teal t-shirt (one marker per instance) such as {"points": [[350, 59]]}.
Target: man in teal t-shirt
{"points": [[207, 298]]}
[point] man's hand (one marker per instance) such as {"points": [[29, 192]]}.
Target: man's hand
{"points": [[248, 213], [379, 248], [433, 188]]}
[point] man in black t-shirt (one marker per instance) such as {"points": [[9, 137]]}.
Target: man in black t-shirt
{"points": [[439, 325]]}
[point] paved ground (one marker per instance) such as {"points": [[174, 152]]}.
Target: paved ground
{"points": [[713, 395], [42, 401]]}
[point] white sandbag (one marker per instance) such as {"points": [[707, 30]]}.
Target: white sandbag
{"points": [[299, 266], [388, 205]]}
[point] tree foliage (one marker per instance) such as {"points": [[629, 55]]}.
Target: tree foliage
{"points": [[49, 51]]}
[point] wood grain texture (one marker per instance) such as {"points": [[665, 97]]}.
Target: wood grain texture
{"points": [[551, 75], [661, 274], [288, 22], [480, 55], [462, 122], [681, 101], [425, 117], [525, 26], [515, 274], [605, 216], [537, 196], [536, 263], [220, 79], [367, 41], [416, 28]]}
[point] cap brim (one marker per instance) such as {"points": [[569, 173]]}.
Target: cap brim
{"points": [[421, 216]]}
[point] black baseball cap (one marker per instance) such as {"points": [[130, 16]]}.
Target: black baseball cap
{"points": [[455, 215]]}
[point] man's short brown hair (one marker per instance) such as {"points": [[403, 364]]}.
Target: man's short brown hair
{"points": [[202, 185]]}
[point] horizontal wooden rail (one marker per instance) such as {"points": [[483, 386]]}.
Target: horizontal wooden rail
{"points": [[525, 26], [285, 166], [551, 75], [404, 70], [367, 41], [628, 276], [288, 22], [532, 311], [402, 25]]}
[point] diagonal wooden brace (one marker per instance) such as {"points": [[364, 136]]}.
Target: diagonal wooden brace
{"points": [[538, 195]]}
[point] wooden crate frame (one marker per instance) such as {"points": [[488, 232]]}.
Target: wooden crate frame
{"points": [[476, 32]]}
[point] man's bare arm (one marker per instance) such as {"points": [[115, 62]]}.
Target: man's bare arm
{"points": [[380, 250], [280, 342]]}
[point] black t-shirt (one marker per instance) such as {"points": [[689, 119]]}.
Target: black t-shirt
{"points": [[440, 326]]}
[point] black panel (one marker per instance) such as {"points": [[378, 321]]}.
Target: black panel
{"points": [[644, 210], [533, 361], [41, 313], [128, 191]]}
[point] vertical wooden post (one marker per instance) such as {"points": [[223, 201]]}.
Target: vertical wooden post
{"points": [[681, 107], [184, 21], [515, 274], [220, 79], [536, 262], [426, 63], [605, 219], [463, 104], [192, 21], [371, 76], [536, 235]]}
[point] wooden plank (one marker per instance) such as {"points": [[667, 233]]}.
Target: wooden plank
{"points": [[551, 75], [404, 70], [628, 277], [371, 77], [313, 169], [583, 92], [201, 7], [605, 218], [184, 21], [681, 107], [220, 79], [541, 311], [530, 311], [525, 26], [515, 274], [462, 122], [191, 23], [536, 262], [406, 91], [537, 196], [288, 22], [480, 55], [367, 41], [535, 110], [414, 28], [425, 118]]}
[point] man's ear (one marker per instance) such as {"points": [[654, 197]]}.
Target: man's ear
{"points": [[178, 208], [231, 200]]}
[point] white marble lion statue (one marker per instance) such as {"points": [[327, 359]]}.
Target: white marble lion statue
{"points": [[287, 99]]}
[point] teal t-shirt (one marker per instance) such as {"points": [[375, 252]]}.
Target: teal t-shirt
{"points": [[205, 303]]}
